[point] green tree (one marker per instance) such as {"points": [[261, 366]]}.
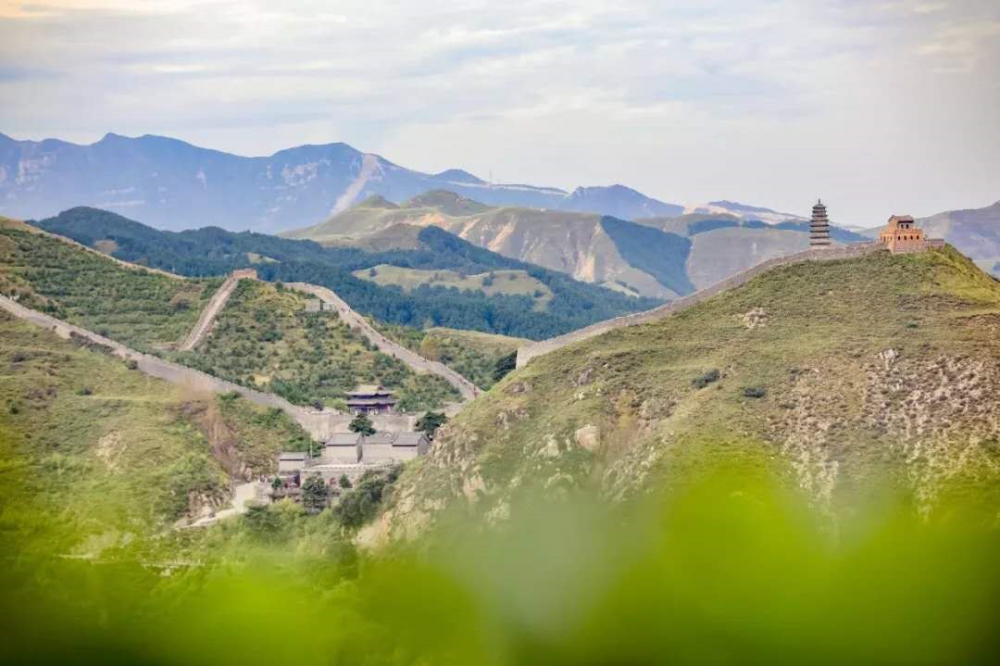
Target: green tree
{"points": [[314, 494], [276, 484], [430, 422], [504, 366], [263, 522], [362, 425], [344, 482]]}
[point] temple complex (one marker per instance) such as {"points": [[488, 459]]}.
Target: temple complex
{"points": [[900, 236], [371, 399], [819, 227]]}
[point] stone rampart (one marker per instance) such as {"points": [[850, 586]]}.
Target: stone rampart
{"points": [[528, 352], [319, 424]]}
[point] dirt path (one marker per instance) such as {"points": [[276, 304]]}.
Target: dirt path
{"points": [[208, 315], [416, 362]]}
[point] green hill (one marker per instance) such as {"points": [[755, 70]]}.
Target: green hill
{"points": [[214, 252], [848, 376], [266, 338], [479, 357], [263, 338], [102, 455], [143, 309]]}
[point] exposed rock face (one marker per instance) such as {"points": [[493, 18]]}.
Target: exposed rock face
{"points": [[754, 318], [589, 438], [891, 381]]}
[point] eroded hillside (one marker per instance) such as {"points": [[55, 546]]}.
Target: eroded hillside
{"points": [[849, 376]]}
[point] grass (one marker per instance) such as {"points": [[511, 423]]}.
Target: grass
{"points": [[472, 354], [143, 309], [807, 388], [500, 282], [121, 454], [265, 338]]}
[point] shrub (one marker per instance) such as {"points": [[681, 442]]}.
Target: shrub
{"points": [[754, 392], [703, 380], [132, 364], [314, 494], [362, 424], [86, 390]]}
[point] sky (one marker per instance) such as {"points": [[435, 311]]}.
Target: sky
{"points": [[878, 107]]}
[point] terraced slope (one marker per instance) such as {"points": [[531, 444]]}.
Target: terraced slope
{"points": [[268, 338], [849, 376], [145, 309]]}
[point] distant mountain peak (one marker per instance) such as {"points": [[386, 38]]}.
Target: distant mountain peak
{"points": [[174, 185], [447, 202], [377, 201], [459, 176]]}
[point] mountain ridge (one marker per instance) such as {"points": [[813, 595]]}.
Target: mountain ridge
{"points": [[173, 184]]}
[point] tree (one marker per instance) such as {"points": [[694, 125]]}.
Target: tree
{"points": [[504, 366], [362, 425], [263, 522], [430, 422], [344, 482], [276, 484], [314, 494]]}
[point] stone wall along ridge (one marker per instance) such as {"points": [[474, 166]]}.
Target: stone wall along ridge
{"points": [[528, 352]]}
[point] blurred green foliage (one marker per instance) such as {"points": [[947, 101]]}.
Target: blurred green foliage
{"points": [[726, 570]]}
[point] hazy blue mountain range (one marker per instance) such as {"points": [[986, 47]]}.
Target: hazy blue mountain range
{"points": [[174, 185]]}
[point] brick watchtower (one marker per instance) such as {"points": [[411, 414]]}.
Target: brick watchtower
{"points": [[819, 227]]}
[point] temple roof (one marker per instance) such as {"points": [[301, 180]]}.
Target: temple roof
{"points": [[371, 402]]}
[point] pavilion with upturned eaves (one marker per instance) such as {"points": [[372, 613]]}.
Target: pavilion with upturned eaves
{"points": [[371, 399]]}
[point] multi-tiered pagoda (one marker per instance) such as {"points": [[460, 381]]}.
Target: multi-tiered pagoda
{"points": [[819, 227]]}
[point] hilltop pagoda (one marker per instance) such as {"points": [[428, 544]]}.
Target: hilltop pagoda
{"points": [[819, 227], [371, 399]]}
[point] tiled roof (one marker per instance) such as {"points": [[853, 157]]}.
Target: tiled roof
{"points": [[343, 439], [409, 439]]}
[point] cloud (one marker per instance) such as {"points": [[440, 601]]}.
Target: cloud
{"points": [[564, 92]]}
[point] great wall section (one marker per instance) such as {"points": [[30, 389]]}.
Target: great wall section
{"points": [[319, 424], [528, 352], [416, 362], [208, 315]]}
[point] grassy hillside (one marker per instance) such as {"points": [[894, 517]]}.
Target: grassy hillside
{"points": [[140, 308], [505, 283], [847, 376], [479, 357], [109, 454], [265, 338], [216, 252], [976, 232]]}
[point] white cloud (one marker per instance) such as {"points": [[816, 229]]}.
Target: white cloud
{"points": [[758, 99]]}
